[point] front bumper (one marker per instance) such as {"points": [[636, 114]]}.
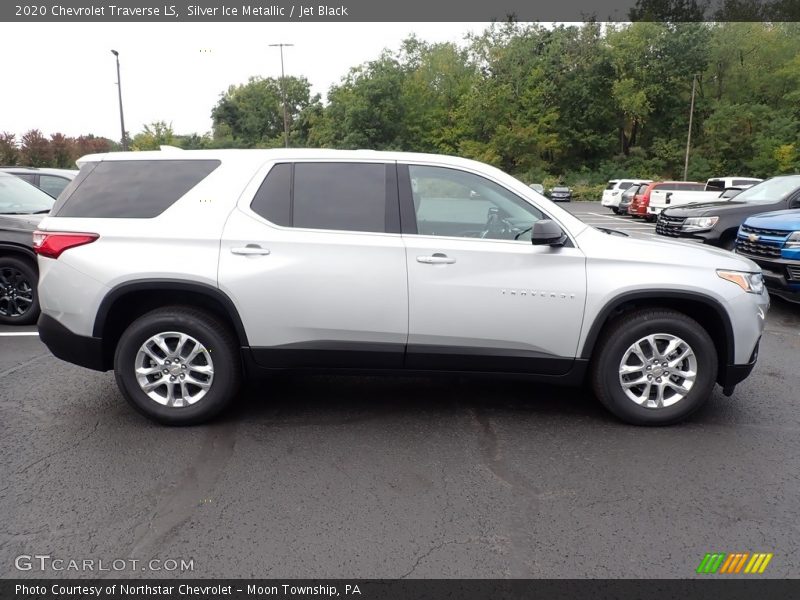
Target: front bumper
{"points": [[776, 276], [80, 350], [737, 373]]}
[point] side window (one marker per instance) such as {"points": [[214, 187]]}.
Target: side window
{"points": [[52, 185], [273, 199], [130, 189], [27, 177], [454, 203], [340, 196]]}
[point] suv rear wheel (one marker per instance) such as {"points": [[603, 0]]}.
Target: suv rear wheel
{"points": [[654, 367], [178, 365], [19, 302]]}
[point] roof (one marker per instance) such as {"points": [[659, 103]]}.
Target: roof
{"points": [[277, 153]]}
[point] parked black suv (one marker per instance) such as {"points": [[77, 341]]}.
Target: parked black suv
{"points": [[22, 207], [716, 223]]}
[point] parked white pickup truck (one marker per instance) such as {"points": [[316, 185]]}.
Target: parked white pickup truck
{"points": [[661, 199]]}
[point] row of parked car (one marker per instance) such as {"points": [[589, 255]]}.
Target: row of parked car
{"points": [[756, 218]]}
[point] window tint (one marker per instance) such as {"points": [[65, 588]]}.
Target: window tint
{"points": [[132, 189], [611, 184], [744, 182], [52, 184], [454, 203], [624, 185], [273, 199], [342, 196]]}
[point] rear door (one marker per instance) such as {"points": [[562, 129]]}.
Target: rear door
{"points": [[314, 260]]}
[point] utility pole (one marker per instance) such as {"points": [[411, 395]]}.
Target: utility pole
{"points": [[689, 136], [283, 95], [121, 117]]}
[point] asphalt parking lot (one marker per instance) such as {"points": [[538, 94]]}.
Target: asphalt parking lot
{"points": [[399, 477]]}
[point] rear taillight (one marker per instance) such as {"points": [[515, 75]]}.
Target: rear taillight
{"points": [[52, 243]]}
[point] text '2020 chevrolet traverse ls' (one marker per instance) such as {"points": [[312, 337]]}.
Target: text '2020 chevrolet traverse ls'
{"points": [[183, 272]]}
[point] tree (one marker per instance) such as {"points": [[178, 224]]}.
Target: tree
{"points": [[63, 151], [35, 149], [155, 135], [9, 153], [251, 114]]}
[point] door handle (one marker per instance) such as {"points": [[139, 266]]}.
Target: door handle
{"points": [[250, 250], [436, 259]]}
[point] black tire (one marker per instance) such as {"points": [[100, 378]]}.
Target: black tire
{"points": [[615, 210], [206, 329], [622, 334], [19, 298]]}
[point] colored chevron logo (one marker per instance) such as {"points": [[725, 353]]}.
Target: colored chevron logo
{"points": [[736, 562]]}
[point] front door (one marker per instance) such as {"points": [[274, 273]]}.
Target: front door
{"points": [[481, 296]]}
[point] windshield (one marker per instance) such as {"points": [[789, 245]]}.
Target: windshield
{"points": [[18, 197], [770, 191]]}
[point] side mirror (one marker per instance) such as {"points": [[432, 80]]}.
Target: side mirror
{"points": [[547, 233]]}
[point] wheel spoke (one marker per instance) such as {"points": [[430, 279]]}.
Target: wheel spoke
{"points": [[152, 385], [201, 384], [635, 382], [152, 355], [162, 345], [145, 371]]}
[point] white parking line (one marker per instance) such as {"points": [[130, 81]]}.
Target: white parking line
{"points": [[18, 333]]}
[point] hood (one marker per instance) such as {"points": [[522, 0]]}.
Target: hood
{"points": [[705, 209], [668, 252], [788, 220]]}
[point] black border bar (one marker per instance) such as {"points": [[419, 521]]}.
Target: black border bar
{"points": [[265, 11], [710, 586]]}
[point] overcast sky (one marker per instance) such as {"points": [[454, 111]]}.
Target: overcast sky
{"points": [[62, 77]]}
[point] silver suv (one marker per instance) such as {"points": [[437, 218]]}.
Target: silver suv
{"points": [[183, 271]]}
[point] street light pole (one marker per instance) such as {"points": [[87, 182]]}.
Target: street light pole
{"points": [[121, 117], [283, 96], [689, 135]]}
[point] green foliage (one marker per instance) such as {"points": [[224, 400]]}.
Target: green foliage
{"points": [[157, 134], [251, 115]]}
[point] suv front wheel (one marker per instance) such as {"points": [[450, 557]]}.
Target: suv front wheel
{"points": [[654, 367], [178, 365]]}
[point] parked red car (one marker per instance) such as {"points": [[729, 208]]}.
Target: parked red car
{"points": [[640, 202]]}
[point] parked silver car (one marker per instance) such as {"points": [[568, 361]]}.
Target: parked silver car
{"points": [[182, 271]]}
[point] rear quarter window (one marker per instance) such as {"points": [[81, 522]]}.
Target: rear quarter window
{"points": [[130, 189]]}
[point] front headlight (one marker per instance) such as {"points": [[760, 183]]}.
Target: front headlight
{"points": [[752, 283], [793, 241], [699, 223]]}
